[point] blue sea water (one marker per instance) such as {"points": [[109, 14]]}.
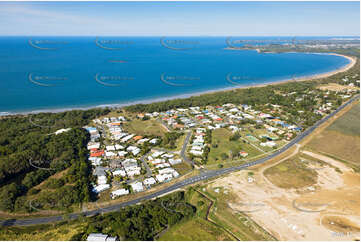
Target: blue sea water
{"points": [[42, 73]]}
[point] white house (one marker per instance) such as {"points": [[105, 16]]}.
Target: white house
{"points": [[136, 151], [102, 180], [93, 145], [157, 153], [119, 192], [164, 177], [110, 154], [149, 181], [137, 187], [153, 141], [174, 161], [126, 138], [119, 147], [101, 188], [96, 161], [62, 131], [122, 153], [119, 172], [166, 170], [110, 148], [196, 152]]}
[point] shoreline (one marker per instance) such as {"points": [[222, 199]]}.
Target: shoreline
{"points": [[188, 95]]}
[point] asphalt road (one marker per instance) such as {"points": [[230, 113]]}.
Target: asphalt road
{"points": [[184, 148], [189, 181]]}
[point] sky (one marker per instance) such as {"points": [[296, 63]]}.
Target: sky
{"points": [[180, 18]]}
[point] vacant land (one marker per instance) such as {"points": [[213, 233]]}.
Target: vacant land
{"points": [[292, 214], [341, 140], [292, 173], [220, 138], [348, 124], [335, 87], [147, 127]]}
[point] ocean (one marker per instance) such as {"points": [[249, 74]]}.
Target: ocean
{"points": [[47, 73]]}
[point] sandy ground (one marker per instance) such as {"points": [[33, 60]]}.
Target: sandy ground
{"points": [[336, 87], [328, 210]]}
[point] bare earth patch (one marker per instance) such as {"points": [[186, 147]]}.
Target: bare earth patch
{"points": [[336, 87], [300, 214]]}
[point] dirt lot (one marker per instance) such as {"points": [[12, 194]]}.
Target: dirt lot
{"points": [[336, 87], [328, 210]]}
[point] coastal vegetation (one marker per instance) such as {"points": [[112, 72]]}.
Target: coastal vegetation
{"points": [[139, 222], [30, 152]]}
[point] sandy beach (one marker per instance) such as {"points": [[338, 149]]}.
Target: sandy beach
{"points": [[352, 60]]}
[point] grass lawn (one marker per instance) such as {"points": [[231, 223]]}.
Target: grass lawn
{"points": [[292, 173], [341, 140], [147, 127], [221, 137]]}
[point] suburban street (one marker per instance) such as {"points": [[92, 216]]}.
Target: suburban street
{"points": [[203, 176], [184, 148]]}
